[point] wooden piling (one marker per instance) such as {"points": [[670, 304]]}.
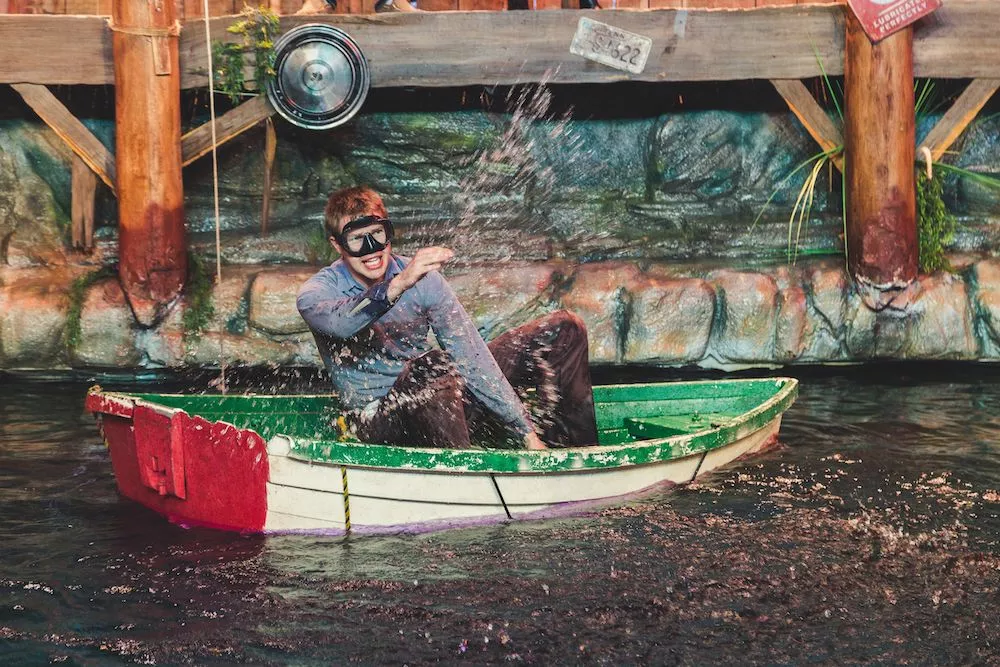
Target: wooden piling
{"points": [[152, 251], [879, 129]]}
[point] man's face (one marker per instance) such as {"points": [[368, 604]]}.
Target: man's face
{"points": [[370, 268]]}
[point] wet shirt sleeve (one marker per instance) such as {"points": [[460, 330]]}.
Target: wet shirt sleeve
{"points": [[458, 336], [338, 309]]}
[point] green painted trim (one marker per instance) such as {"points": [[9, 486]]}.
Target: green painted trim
{"points": [[302, 418]]}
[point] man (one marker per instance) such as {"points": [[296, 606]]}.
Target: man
{"points": [[370, 313]]}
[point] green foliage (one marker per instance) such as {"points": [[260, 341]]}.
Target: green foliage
{"points": [[198, 308], [802, 209], [258, 28], [927, 100], [77, 293], [935, 225]]}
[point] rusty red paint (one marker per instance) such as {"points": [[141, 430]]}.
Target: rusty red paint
{"points": [[190, 470], [109, 405]]}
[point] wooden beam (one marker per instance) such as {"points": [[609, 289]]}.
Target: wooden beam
{"points": [[471, 48], [70, 129], [957, 118], [879, 128], [82, 193], [152, 248], [198, 142], [54, 50], [958, 41], [812, 116]]}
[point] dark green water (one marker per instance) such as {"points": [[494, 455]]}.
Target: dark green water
{"points": [[869, 537]]}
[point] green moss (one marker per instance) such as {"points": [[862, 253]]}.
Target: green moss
{"points": [[198, 308], [77, 293], [935, 225], [258, 29]]}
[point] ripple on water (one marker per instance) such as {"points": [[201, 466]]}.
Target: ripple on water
{"points": [[868, 536]]}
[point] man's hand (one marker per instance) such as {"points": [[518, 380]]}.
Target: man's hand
{"points": [[532, 441], [424, 261]]}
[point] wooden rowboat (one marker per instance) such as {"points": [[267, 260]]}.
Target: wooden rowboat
{"points": [[257, 463]]}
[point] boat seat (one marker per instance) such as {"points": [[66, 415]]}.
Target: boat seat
{"points": [[647, 428]]}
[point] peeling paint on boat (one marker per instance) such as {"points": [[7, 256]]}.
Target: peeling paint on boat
{"points": [[302, 482]]}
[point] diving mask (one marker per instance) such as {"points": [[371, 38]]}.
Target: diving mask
{"points": [[365, 235]]}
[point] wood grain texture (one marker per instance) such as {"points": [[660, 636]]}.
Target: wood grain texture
{"points": [[83, 191], [879, 128], [469, 48], [957, 118], [198, 142], [70, 129], [152, 257], [812, 116]]}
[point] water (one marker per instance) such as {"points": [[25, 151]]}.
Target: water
{"points": [[869, 537]]}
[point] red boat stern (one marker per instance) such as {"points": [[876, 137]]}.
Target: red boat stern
{"points": [[192, 471]]}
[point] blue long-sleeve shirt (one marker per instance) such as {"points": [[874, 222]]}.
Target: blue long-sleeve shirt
{"points": [[365, 341]]}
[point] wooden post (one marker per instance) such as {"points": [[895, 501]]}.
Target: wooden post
{"points": [[882, 250], [152, 257], [83, 189]]}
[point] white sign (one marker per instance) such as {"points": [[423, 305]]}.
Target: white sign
{"points": [[611, 46]]}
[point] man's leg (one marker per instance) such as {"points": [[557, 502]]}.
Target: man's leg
{"points": [[550, 354], [424, 408]]}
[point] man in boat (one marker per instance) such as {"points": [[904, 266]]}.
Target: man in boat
{"points": [[370, 313]]}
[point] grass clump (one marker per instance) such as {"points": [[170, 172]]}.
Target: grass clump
{"points": [[935, 225], [198, 307], [258, 27], [77, 293]]}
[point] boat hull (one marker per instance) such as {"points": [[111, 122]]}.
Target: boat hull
{"points": [[309, 497], [269, 464]]}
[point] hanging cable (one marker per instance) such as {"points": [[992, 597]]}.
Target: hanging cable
{"points": [[215, 182]]}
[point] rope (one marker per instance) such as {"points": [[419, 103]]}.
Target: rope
{"points": [[215, 179], [172, 31], [347, 500], [928, 161]]}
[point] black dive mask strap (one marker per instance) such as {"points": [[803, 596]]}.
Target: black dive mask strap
{"points": [[368, 244]]}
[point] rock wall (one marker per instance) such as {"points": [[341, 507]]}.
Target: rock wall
{"points": [[663, 314], [668, 235]]}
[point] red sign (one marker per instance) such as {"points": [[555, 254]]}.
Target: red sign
{"points": [[881, 18]]}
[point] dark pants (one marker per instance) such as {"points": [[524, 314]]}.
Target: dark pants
{"points": [[430, 406]]}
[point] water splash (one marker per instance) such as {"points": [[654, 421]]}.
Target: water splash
{"points": [[504, 198]]}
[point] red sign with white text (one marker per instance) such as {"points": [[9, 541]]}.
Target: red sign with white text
{"points": [[881, 18]]}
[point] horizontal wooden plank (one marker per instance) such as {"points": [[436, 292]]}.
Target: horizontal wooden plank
{"points": [[55, 50], [959, 41], [470, 48]]}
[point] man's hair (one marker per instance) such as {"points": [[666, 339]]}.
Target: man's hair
{"points": [[351, 203]]}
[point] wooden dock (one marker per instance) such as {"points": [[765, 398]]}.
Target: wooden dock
{"points": [[699, 40]]}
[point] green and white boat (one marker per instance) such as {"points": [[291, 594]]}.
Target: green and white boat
{"points": [[256, 463]]}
